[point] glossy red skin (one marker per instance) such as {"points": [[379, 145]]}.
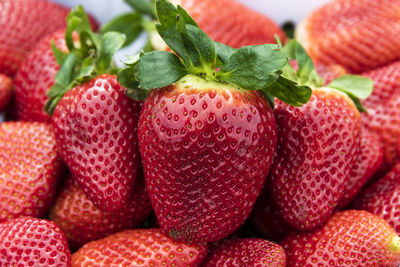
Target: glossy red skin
{"points": [[232, 23], [30, 169], [96, 130], [329, 73], [6, 91], [382, 198], [359, 35], [81, 221], [250, 252], [318, 145], [206, 154], [28, 241], [144, 247], [266, 217], [35, 77], [383, 117], [350, 238], [368, 163]]}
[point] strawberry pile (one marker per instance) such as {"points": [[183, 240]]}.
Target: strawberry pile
{"points": [[222, 143]]}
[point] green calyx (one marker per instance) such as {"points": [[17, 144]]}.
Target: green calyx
{"points": [[90, 54], [250, 67], [355, 86]]}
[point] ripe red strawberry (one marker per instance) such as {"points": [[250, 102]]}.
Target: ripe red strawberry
{"points": [[266, 217], [28, 241], [382, 198], [329, 73], [367, 164], [82, 222], [330, 33], [350, 238], [96, 128], [35, 77], [183, 135], [30, 169], [318, 144], [6, 91], [247, 252], [145, 247], [383, 117], [231, 23]]}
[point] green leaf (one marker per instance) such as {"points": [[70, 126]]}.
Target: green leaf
{"points": [[289, 92], [129, 24], [111, 42], [126, 77], [158, 69], [358, 86], [143, 7], [253, 67], [137, 94], [224, 52], [59, 55], [306, 74]]}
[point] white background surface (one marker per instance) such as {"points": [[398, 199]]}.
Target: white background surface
{"points": [[280, 11]]}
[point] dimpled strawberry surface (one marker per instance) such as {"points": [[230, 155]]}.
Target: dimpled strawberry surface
{"points": [[205, 155]]}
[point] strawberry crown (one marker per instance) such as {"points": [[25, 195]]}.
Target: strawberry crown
{"points": [[355, 86], [89, 56], [250, 67]]}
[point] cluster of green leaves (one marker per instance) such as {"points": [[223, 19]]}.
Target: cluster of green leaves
{"points": [[250, 67], [132, 24], [90, 54], [355, 86]]}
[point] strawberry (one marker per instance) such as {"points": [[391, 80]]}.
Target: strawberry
{"points": [[382, 198], [96, 128], [146, 247], [232, 23], [318, 144], [23, 24], [266, 217], [30, 169], [350, 238], [82, 222], [28, 241], [247, 252], [94, 121], [33, 80], [383, 112], [330, 33], [206, 138], [367, 164], [6, 91]]}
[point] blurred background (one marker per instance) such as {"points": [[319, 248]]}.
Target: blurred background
{"points": [[280, 11]]}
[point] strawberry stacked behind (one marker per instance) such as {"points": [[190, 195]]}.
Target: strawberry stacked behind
{"points": [[23, 24], [383, 117], [232, 23], [34, 79], [30, 169], [360, 35], [6, 91]]}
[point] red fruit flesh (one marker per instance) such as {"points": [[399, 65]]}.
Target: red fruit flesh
{"points": [[30, 169], [247, 252], [206, 153], [368, 162], [28, 241], [383, 106], [82, 222], [34, 79], [360, 35], [6, 91], [318, 145], [148, 247], [231, 23], [96, 130], [382, 198], [350, 238]]}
